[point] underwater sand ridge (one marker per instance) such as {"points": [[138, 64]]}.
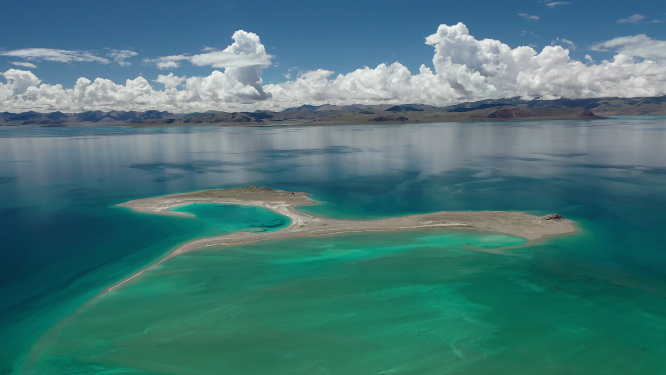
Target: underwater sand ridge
{"points": [[519, 224]]}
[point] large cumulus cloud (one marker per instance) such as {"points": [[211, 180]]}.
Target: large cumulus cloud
{"points": [[464, 69]]}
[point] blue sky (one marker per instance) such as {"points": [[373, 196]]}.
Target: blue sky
{"points": [[338, 36]]}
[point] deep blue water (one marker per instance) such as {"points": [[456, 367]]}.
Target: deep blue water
{"points": [[63, 239]]}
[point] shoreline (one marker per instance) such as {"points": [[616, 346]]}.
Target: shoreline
{"points": [[310, 123], [317, 124], [529, 227]]}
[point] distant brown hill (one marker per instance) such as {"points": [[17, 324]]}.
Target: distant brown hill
{"points": [[59, 118], [511, 113]]}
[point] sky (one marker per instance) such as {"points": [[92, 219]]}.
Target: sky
{"points": [[186, 56]]}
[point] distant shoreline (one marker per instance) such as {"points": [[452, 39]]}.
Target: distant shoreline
{"points": [[308, 124], [302, 225]]}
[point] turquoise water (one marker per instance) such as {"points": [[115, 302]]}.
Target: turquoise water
{"points": [[121, 240], [592, 302], [296, 306], [229, 218]]}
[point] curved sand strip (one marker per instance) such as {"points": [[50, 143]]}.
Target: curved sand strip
{"points": [[518, 224]]}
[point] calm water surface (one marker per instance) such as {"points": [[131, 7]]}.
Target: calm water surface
{"points": [[400, 303]]}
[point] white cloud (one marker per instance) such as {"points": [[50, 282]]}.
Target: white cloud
{"points": [[528, 16], [170, 81], [167, 62], [58, 55], [120, 56], [563, 42], [19, 81], [463, 69], [245, 51], [170, 64], [637, 46], [290, 72], [636, 18], [24, 64], [553, 4]]}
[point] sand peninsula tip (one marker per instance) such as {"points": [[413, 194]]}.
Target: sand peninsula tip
{"points": [[519, 224]]}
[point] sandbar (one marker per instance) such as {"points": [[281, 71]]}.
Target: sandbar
{"points": [[519, 224]]}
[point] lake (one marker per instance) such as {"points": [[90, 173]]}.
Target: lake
{"points": [[397, 303]]}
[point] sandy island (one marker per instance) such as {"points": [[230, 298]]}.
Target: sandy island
{"points": [[518, 224]]}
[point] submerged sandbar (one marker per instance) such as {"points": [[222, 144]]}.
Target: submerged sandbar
{"points": [[519, 224]]}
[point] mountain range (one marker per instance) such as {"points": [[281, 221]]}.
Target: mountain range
{"points": [[485, 110]]}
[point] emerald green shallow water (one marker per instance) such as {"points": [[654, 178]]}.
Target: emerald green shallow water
{"points": [[228, 218], [396, 303], [352, 304]]}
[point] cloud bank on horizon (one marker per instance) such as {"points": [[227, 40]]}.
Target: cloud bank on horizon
{"points": [[465, 69]]}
